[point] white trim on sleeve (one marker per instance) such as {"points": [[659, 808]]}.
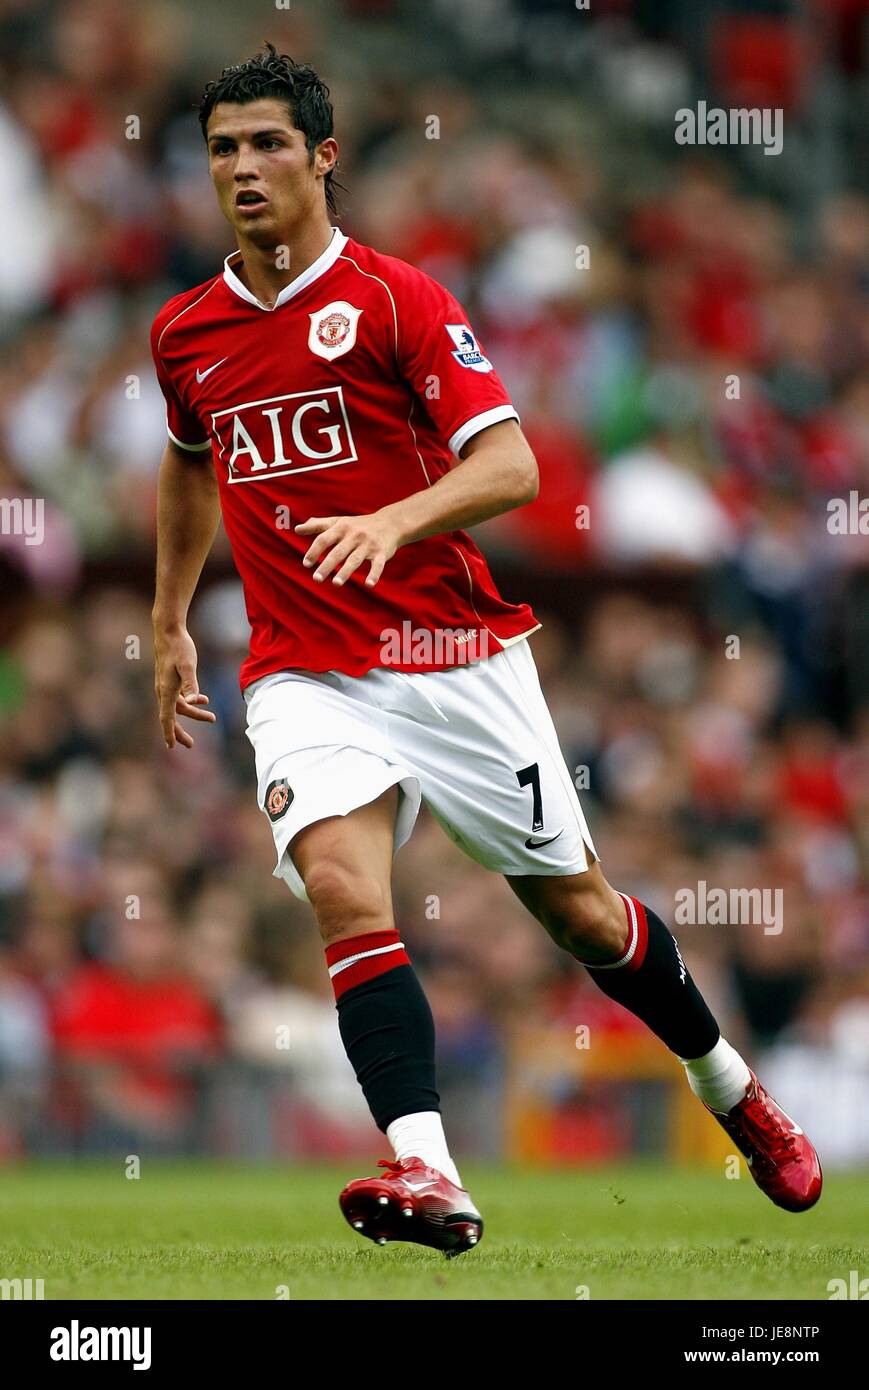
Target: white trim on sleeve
{"points": [[191, 448], [481, 422]]}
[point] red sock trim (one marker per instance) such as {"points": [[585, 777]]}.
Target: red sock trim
{"points": [[360, 958], [638, 937]]}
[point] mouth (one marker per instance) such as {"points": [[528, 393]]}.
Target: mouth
{"points": [[249, 200]]}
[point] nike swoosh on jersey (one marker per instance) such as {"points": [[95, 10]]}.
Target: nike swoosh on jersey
{"points": [[531, 843], [200, 376]]}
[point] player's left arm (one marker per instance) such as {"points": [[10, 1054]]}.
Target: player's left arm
{"points": [[497, 471]]}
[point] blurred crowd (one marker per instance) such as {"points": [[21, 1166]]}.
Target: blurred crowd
{"points": [[688, 352]]}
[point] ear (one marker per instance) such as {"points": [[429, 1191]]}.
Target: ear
{"points": [[326, 156]]}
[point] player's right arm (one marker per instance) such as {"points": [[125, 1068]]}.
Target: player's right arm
{"points": [[188, 513]]}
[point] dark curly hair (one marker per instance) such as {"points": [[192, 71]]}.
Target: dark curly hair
{"points": [[273, 74]]}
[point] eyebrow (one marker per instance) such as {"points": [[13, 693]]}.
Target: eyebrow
{"points": [[257, 135]]}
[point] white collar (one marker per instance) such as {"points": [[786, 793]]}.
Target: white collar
{"points": [[314, 271]]}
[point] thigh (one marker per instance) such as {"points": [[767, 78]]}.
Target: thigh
{"points": [[345, 863], [491, 769]]}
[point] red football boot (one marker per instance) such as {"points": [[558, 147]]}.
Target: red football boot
{"points": [[780, 1157], [412, 1202]]}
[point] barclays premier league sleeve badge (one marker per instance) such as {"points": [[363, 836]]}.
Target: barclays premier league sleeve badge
{"points": [[465, 348]]}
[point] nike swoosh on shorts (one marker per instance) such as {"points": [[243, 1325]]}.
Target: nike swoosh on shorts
{"points": [[531, 843]]}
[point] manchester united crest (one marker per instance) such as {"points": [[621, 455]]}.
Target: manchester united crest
{"points": [[279, 796], [333, 329]]}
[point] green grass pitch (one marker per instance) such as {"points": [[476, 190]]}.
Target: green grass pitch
{"points": [[207, 1231]]}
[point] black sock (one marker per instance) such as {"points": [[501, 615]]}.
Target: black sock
{"points": [[651, 980], [386, 1025]]}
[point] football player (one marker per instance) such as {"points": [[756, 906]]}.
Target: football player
{"points": [[336, 405]]}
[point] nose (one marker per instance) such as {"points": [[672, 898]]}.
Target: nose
{"points": [[245, 165]]}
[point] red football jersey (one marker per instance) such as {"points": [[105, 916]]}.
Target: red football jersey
{"points": [[353, 392]]}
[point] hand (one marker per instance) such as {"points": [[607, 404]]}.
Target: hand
{"points": [[348, 541], [175, 684]]}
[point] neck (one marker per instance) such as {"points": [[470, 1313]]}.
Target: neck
{"points": [[267, 270]]}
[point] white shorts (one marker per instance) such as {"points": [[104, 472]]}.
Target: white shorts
{"points": [[475, 742]]}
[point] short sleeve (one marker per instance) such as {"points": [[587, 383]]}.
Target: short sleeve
{"points": [[443, 361], [183, 427]]}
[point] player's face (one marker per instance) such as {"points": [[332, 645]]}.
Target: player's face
{"points": [[261, 169]]}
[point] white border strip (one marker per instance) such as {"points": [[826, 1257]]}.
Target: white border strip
{"points": [[351, 960], [635, 937], [460, 437], [324, 262], [191, 448]]}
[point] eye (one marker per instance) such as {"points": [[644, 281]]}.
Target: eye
{"points": [[271, 141]]}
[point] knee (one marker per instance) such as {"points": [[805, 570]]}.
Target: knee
{"points": [[591, 925], [347, 901]]}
